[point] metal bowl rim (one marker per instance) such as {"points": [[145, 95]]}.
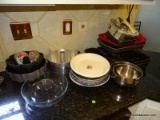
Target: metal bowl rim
{"points": [[123, 63]]}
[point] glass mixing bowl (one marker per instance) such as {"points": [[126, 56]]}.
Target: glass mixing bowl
{"points": [[46, 91]]}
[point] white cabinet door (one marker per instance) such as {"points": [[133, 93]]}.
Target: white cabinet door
{"points": [[145, 110], [27, 2], [105, 2], [51, 2], [152, 112]]}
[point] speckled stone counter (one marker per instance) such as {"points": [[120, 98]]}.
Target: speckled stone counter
{"points": [[77, 102]]}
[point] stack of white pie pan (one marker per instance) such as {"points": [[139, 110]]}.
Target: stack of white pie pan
{"points": [[89, 70]]}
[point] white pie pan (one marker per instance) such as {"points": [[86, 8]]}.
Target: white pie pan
{"points": [[90, 65]]}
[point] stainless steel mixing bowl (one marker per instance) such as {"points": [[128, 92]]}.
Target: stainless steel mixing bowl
{"points": [[125, 73], [59, 60]]}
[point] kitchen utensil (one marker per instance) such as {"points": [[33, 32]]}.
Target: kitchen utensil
{"points": [[90, 65], [33, 56], [12, 66], [19, 57], [1, 80], [137, 57], [2, 85], [88, 79], [45, 92], [114, 50], [25, 72], [125, 73], [27, 76], [106, 37], [88, 82], [140, 39], [59, 60], [121, 30]]}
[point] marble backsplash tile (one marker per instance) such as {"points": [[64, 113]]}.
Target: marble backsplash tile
{"points": [[47, 29]]}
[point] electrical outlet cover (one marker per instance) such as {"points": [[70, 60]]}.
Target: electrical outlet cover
{"points": [[82, 26], [21, 30], [67, 27]]}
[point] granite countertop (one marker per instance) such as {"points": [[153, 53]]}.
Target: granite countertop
{"points": [[77, 102]]}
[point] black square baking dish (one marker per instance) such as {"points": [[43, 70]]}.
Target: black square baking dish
{"points": [[121, 43], [114, 50]]}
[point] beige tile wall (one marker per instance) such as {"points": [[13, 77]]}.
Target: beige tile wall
{"points": [[46, 25]]}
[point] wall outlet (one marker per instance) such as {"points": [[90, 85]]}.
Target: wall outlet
{"points": [[21, 30], [83, 26], [67, 27]]}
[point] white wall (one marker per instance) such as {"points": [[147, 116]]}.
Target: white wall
{"points": [[47, 28], [150, 28]]}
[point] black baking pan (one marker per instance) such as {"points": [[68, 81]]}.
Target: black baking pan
{"points": [[121, 43], [136, 57], [12, 66], [110, 40], [114, 50]]}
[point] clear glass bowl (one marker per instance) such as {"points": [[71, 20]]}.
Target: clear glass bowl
{"points": [[46, 91]]}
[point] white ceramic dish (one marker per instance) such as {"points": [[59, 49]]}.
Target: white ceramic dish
{"points": [[90, 65], [89, 79], [88, 83]]}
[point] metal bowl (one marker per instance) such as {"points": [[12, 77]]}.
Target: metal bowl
{"points": [[59, 60], [125, 73]]}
